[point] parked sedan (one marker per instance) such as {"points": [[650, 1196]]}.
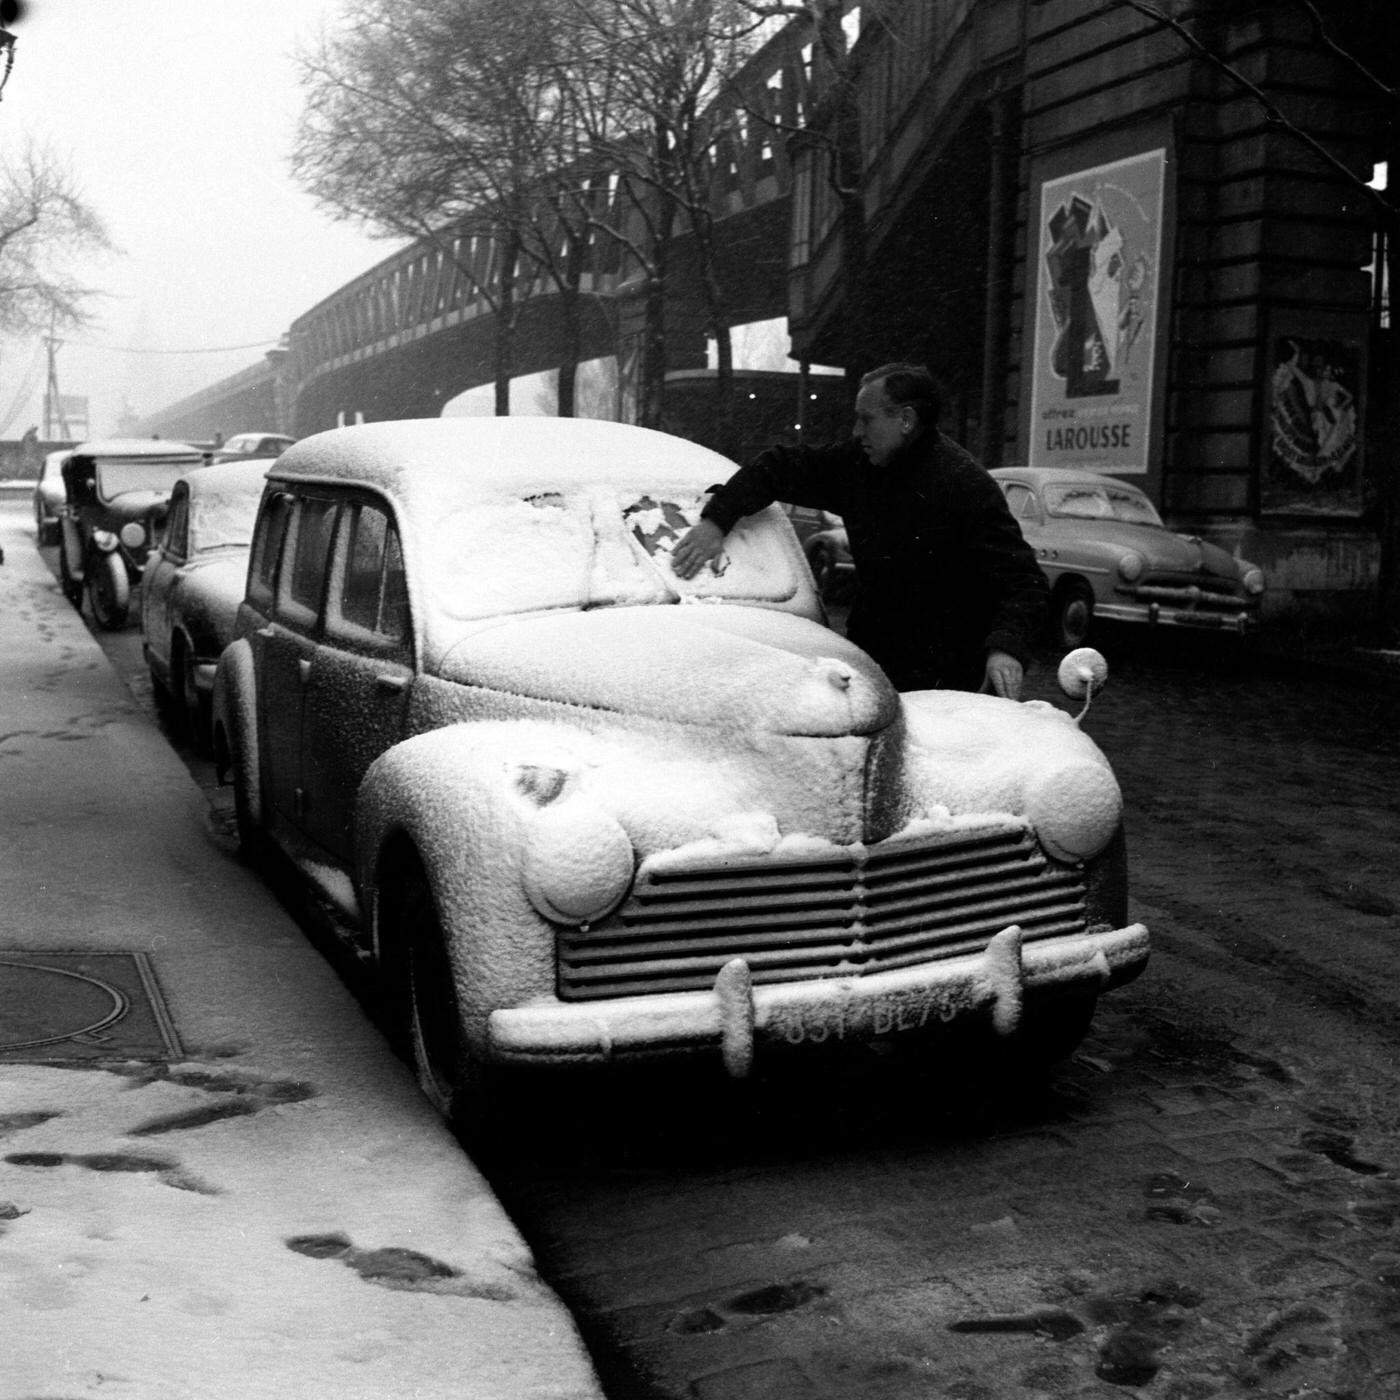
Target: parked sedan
{"points": [[194, 582], [582, 810], [242, 445], [828, 550], [1108, 555], [49, 496]]}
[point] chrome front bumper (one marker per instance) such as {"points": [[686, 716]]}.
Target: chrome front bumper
{"points": [[735, 1016], [1166, 615]]}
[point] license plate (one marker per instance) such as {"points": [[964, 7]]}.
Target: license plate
{"points": [[867, 1019]]}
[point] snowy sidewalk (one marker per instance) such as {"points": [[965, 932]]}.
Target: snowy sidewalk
{"points": [[228, 1187]]}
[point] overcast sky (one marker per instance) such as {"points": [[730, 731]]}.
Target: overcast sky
{"points": [[176, 117]]}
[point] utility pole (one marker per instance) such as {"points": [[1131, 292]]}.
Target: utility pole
{"points": [[55, 417]]}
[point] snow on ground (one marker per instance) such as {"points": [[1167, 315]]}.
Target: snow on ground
{"points": [[250, 1258]]}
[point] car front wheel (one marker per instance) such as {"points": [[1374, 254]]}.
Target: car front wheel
{"points": [[109, 591], [1072, 613], [451, 1078]]}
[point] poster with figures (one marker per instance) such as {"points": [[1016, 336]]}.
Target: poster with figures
{"points": [[1314, 440], [1097, 276]]}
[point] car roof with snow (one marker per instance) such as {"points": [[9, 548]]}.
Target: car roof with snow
{"points": [[432, 460], [135, 447], [1046, 476], [242, 478]]}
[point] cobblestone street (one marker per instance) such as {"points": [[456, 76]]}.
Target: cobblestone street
{"points": [[1205, 1201]]}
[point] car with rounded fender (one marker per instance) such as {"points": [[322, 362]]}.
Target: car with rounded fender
{"points": [[116, 491], [193, 584], [243, 445], [49, 496], [579, 810], [1108, 556]]}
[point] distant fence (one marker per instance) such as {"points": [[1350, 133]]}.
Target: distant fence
{"points": [[21, 459]]}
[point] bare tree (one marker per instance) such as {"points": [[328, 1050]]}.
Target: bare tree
{"points": [[664, 65], [46, 228], [430, 119]]}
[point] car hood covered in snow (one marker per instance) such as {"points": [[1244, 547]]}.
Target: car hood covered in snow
{"points": [[714, 666]]}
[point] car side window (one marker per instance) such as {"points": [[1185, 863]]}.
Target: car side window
{"points": [[1021, 500], [174, 541], [311, 547], [372, 597], [267, 549]]}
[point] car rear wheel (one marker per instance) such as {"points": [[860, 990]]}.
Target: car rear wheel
{"points": [[1072, 613], [72, 588], [194, 708], [250, 834], [109, 591]]}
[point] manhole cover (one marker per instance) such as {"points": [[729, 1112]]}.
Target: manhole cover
{"points": [[82, 1006]]}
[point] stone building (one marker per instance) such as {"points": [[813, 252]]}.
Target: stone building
{"points": [[1127, 235]]}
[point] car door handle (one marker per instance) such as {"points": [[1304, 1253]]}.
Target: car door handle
{"points": [[304, 669], [392, 683]]}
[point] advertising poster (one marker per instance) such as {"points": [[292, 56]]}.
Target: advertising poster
{"points": [[1313, 464], [1098, 274]]}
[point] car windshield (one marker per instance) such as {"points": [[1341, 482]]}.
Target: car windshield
{"points": [[222, 521], [594, 547], [1100, 501], [118, 475]]}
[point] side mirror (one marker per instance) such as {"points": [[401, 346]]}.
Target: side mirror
{"points": [[1083, 673]]}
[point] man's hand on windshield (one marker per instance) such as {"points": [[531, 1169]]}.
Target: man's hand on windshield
{"points": [[700, 544], [1004, 675]]}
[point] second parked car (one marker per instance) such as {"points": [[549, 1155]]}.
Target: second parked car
{"points": [[1108, 555], [193, 584], [49, 496], [117, 491]]}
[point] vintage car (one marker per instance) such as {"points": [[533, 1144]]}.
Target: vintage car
{"points": [[193, 583], [242, 445], [117, 491], [581, 810], [49, 497], [823, 538], [1108, 555]]}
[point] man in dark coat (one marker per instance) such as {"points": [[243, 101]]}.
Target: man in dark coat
{"points": [[949, 593]]}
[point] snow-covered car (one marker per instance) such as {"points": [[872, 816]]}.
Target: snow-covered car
{"points": [[194, 581], [1108, 555], [582, 810], [242, 445], [117, 491], [49, 496]]}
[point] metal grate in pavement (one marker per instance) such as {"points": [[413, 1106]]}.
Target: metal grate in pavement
{"points": [[82, 1006]]}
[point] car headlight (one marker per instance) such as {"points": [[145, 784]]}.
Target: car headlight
{"points": [[1130, 566], [104, 539], [1253, 581], [133, 534], [1075, 808], [578, 864]]}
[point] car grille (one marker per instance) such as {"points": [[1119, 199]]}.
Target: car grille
{"points": [[838, 913], [1195, 596]]}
